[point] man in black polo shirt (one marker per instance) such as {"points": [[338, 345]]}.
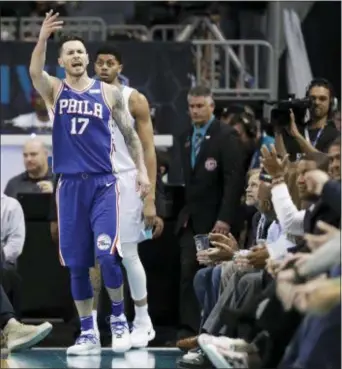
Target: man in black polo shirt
{"points": [[37, 177], [319, 132]]}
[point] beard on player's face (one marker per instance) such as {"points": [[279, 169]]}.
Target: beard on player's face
{"points": [[75, 72]]}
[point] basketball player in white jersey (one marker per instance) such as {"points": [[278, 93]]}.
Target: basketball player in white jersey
{"points": [[133, 227]]}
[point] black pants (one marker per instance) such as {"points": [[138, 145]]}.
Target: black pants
{"points": [[6, 309], [189, 311], [11, 283]]}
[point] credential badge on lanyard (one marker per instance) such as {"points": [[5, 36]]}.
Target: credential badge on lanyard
{"points": [[307, 137]]}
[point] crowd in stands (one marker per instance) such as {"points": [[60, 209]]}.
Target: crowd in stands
{"points": [[270, 298]]}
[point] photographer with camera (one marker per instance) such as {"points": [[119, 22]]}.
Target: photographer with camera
{"points": [[316, 134]]}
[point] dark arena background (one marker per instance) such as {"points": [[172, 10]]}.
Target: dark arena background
{"points": [[246, 53]]}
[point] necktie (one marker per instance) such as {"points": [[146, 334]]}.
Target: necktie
{"points": [[197, 143]]}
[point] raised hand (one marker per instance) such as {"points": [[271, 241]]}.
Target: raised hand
{"points": [[274, 166], [293, 129], [50, 25]]}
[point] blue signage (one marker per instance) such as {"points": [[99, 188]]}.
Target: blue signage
{"points": [[21, 73]]}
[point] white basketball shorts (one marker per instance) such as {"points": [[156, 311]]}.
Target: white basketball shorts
{"points": [[131, 225]]}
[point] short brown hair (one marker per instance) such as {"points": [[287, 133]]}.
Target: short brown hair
{"points": [[321, 160], [67, 38]]}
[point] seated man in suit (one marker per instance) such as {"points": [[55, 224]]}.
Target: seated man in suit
{"points": [[213, 166]]}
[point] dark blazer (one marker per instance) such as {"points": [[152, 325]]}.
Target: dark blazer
{"points": [[214, 187], [320, 212], [331, 196]]}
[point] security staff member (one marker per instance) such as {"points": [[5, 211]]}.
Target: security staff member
{"points": [[213, 167]]}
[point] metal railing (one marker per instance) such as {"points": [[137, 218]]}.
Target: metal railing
{"points": [[89, 28], [218, 62], [166, 32], [132, 31], [214, 67]]}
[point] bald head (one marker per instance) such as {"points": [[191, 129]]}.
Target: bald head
{"points": [[35, 158], [34, 143]]}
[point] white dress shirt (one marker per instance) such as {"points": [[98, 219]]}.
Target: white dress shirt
{"points": [[290, 218]]}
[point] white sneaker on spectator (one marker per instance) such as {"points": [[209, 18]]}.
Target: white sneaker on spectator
{"points": [[121, 338], [86, 344], [229, 344], [23, 336], [192, 354], [142, 333]]}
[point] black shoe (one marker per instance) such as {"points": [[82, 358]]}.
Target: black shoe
{"points": [[194, 359]]}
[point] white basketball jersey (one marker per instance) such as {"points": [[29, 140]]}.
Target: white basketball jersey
{"points": [[123, 160]]}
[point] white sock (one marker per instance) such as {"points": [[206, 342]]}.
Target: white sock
{"points": [[141, 314], [94, 314]]}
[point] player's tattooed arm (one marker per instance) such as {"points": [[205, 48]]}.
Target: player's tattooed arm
{"points": [[122, 119]]}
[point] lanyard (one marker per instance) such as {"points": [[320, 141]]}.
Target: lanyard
{"points": [[307, 137]]}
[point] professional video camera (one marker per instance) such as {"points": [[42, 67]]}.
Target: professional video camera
{"points": [[280, 114]]}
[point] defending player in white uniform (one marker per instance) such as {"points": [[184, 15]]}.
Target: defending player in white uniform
{"points": [[136, 217]]}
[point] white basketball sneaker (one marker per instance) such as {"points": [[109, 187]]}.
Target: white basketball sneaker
{"points": [[121, 338], [142, 334], [86, 344]]}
